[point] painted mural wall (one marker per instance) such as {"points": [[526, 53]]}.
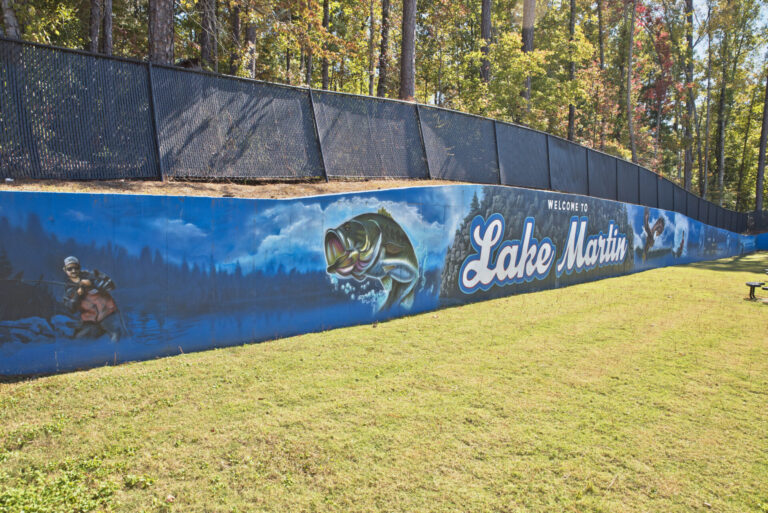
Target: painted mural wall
{"points": [[88, 280]]}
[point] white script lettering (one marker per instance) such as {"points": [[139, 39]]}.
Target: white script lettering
{"points": [[599, 249], [515, 261]]}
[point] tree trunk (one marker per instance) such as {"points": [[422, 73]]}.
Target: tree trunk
{"points": [[12, 29], [208, 36], [721, 124], [704, 171], [234, 58], [571, 70], [384, 53], [688, 132], [529, 18], [250, 43], [94, 26], [371, 74], [485, 34], [288, 66], [439, 84], [106, 31], [600, 40], [630, 117], [601, 46], [676, 130], [659, 106], [308, 69], [408, 52], [761, 153], [161, 31], [326, 22], [742, 169], [697, 137]]}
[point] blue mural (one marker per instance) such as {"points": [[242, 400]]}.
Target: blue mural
{"points": [[88, 280]]}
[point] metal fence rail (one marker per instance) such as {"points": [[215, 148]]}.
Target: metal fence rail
{"points": [[68, 114]]}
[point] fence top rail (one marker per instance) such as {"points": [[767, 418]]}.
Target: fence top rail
{"points": [[84, 53], [308, 90]]}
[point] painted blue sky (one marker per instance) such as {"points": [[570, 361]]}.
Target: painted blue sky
{"points": [[257, 234]]}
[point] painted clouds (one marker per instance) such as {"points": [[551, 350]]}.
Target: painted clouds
{"points": [[290, 233]]}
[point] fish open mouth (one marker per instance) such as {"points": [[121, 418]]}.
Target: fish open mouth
{"points": [[340, 260]]}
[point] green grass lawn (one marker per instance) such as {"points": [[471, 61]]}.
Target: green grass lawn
{"points": [[642, 393]]}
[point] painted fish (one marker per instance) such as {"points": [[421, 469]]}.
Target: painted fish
{"points": [[374, 246]]}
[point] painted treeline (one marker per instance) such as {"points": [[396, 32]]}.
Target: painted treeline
{"points": [[89, 280]]}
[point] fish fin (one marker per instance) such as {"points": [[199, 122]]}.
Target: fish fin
{"points": [[399, 294], [393, 249], [407, 301], [394, 295]]}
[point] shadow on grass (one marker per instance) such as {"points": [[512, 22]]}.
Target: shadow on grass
{"points": [[10, 380], [752, 263]]}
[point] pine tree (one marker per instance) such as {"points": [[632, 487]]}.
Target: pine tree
{"points": [[6, 269]]}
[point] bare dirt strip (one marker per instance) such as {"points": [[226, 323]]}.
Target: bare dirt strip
{"points": [[214, 189]]}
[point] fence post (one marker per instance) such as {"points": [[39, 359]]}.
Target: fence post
{"points": [[423, 144], [317, 134], [586, 166], [549, 166], [155, 125], [496, 145]]}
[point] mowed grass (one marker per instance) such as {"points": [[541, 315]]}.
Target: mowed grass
{"points": [[642, 393]]}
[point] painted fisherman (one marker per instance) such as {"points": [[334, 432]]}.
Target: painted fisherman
{"points": [[87, 293]]}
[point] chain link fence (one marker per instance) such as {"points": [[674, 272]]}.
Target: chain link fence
{"points": [[212, 126], [70, 115], [67, 114]]}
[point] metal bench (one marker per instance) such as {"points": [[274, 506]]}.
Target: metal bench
{"points": [[752, 285]]}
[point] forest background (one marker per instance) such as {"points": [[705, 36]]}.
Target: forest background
{"points": [[680, 87]]}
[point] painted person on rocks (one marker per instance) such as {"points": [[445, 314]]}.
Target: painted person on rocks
{"points": [[87, 293]]}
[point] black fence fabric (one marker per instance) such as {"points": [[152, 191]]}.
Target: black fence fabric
{"points": [[757, 221], [666, 194], [369, 138], [73, 116], [711, 214], [523, 160], [627, 181], [567, 166], [459, 146], [66, 114], [213, 126], [691, 205], [680, 200], [601, 169], [648, 188]]}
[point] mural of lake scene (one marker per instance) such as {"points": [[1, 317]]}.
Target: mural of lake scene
{"points": [[88, 280]]}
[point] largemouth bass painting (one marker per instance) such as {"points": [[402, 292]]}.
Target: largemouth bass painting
{"points": [[374, 246]]}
